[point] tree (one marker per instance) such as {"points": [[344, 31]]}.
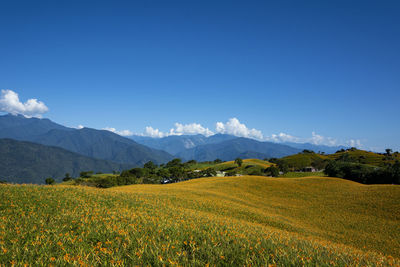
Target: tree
{"points": [[319, 163], [86, 174], [150, 165], [67, 177], [344, 157], [273, 171], [217, 161], [283, 166], [209, 172], [239, 162], [163, 173], [50, 181], [177, 173], [174, 162]]}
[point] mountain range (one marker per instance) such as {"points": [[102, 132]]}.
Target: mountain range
{"points": [[226, 147], [26, 162], [99, 144], [77, 150]]}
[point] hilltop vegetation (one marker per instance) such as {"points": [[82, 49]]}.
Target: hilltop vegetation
{"points": [[175, 171], [233, 221], [309, 158], [353, 164]]}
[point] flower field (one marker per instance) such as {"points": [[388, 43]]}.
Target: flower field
{"points": [[239, 221]]}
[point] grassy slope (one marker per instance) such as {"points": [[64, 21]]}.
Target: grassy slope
{"points": [[253, 163], [229, 221], [303, 174], [371, 158], [305, 159]]}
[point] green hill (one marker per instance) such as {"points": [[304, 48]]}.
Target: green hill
{"points": [[365, 157], [306, 159], [233, 221]]}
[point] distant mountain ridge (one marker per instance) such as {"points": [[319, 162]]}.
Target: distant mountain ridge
{"points": [[20, 128], [137, 150], [237, 147], [103, 144], [316, 148], [176, 144], [26, 162], [200, 147], [99, 144]]}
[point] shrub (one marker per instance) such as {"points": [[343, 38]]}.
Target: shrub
{"points": [[50, 181], [239, 162], [86, 174], [272, 171], [231, 173], [363, 173]]}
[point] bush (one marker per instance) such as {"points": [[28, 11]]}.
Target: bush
{"points": [[272, 171], [67, 177], [239, 162], [363, 173], [174, 163], [86, 174], [50, 181], [231, 173]]}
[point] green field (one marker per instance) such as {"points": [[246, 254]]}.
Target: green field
{"points": [[217, 221]]}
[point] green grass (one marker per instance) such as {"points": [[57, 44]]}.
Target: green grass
{"points": [[218, 221]]}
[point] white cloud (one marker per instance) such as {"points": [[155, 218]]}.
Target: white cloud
{"points": [[315, 139], [122, 133], [354, 143], [155, 133], [283, 137], [180, 129], [9, 102], [192, 128], [234, 127]]}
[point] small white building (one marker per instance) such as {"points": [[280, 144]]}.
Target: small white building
{"points": [[220, 174]]}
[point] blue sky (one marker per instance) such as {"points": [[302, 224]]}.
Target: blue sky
{"points": [[292, 67]]}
